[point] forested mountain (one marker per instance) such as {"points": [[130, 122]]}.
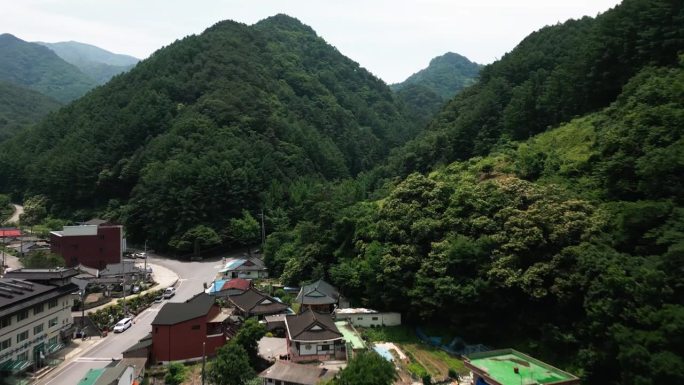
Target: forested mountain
{"points": [[101, 65], [426, 91], [20, 107], [446, 75], [553, 75], [559, 228], [36, 67], [209, 126]]}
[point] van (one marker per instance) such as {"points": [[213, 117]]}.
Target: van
{"points": [[123, 325]]}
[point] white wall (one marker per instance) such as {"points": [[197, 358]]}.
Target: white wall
{"points": [[63, 314], [367, 320]]}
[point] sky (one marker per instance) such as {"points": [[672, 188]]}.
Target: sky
{"points": [[390, 38]]}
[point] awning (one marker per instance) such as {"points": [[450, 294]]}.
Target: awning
{"points": [[51, 348], [14, 366]]}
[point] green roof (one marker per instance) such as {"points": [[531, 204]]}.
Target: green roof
{"points": [[91, 377], [350, 335], [498, 367]]}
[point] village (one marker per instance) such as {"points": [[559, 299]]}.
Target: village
{"points": [[147, 312]]}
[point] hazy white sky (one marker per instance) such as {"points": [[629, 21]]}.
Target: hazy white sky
{"points": [[391, 38]]}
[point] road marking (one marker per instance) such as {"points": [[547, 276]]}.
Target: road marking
{"points": [[59, 371]]}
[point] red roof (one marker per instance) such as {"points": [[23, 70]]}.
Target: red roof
{"points": [[10, 233], [237, 283]]}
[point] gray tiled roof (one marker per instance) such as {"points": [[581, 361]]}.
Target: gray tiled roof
{"points": [[254, 302], [176, 312], [311, 326], [318, 293], [290, 372]]}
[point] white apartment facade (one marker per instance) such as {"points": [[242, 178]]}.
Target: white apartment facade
{"points": [[34, 319]]}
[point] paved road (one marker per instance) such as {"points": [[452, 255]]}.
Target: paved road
{"points": [[192, 276]]}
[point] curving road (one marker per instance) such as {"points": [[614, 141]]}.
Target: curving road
{"points": [[192, 277], [18, 210]]}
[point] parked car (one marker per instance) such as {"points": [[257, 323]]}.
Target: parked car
{"points": [[169, 292], [123, 325], [159, 298], [142, 255]]}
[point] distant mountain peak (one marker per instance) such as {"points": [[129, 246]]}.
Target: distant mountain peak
{"points": [[446, 75], [284, 21], [96, 62], [38, 68]]}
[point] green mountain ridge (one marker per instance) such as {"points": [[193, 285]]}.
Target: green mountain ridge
{"points": [[100, 64], [36, 67], [446, 75], [21, 107], [541, 210], [426, 91], [208, 126]]}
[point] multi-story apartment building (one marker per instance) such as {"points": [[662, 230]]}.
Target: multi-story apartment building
{"points": [[35, 319]]}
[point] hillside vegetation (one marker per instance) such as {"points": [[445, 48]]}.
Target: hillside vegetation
{"points": [[552, 76], [446, 75], [559, 230], [36, 67], [426, 91], [21, 107], [209, 126]]}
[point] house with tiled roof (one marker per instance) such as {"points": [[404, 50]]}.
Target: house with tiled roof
{"points": [[290, 373], [254, 303], [313, 336], [180, 329], [319, 296]]}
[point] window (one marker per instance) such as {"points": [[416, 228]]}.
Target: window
{"points": [[325, 347], [6, 344], [359, 318], [156, 329], [53, 303], [52, 322], [375, 318], [5, 322], [53, 340], [37, 329], [22, 315], [23, 356], [38, 308], [22, 336]]}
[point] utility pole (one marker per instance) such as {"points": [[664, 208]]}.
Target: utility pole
{"points": [[123, 280], [83, 292], [263, 232], [204, 360], [145, 254]]}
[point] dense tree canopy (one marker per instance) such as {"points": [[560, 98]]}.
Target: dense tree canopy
{"points": [[207, 127]]}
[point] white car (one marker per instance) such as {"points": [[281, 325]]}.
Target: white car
{"points": [[169, 292], [123, 325]]}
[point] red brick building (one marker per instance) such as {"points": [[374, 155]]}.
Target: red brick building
{"points": [[179, 329], [90, 245]]}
